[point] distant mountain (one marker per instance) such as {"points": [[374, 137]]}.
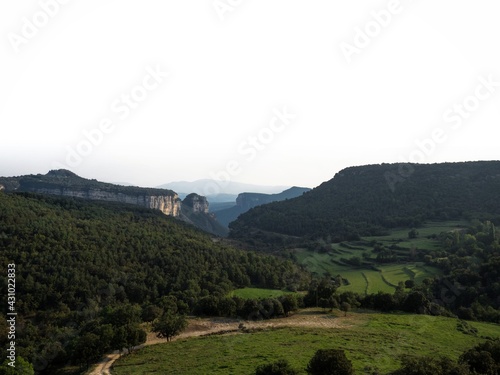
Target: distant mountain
{"points": [[246, 201], [368, 200], [66, 183], [213, 188]]}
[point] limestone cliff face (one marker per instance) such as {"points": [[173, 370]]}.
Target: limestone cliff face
{"points": [[195, 212], [196, 203], [168, 204]]}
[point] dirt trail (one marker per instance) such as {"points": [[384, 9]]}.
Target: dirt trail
{"points": [[311, 318]]}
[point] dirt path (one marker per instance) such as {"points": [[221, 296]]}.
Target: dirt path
{"points": [[311, 318]]}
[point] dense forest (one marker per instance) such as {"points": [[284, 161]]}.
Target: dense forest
{"points": [[87, 270], [370, 199]]}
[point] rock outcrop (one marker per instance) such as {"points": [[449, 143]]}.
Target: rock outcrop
{"points": [[196, 202], [193, 210], [67, 184]]}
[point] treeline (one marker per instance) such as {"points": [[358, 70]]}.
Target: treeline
{"points": [[369, 200], [483, 359], [76, 259], [470, 260]]}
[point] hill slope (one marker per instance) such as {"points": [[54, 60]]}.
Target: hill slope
{"points": [[369, 199], [246, 201], [76, 258], [66, 183]]}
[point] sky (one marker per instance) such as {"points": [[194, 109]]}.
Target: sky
{"points": [[281, 92]]}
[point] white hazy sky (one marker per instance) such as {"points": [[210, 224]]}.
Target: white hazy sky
{"points": [[66, 69]]}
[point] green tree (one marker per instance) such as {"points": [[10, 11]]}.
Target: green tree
{"points": [[416, 302], [281, 367], [169, 325], [479, 362], [22, 367], [134, 336], [345, 307], [430, 366], [289, 303], [150, 313], [329, 362], [89, 349], [412, 233]]}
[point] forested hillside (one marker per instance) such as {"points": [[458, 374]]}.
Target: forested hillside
{"points": [[80, 264], [370, 199]]}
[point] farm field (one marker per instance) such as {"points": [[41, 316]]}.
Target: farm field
{"points": [[370, 276], [256, 293], [372, 341]]}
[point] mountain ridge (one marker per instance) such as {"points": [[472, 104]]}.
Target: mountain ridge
{"points": [[360, 201], [66, 183], [246, 201]]}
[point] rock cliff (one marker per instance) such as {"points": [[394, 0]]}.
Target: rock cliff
{"points": [[193, 210], [196, 202], [67, 184]]}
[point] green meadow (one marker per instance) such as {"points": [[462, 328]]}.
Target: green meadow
{"points": [[372, 341], [256, 293], [370, 276]]}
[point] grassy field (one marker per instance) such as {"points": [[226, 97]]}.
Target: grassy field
{"points": [[255, 293], [371, 276], [372, 341]]}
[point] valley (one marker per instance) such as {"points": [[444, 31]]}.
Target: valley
{"points": [[349, 265], [356, 261]]}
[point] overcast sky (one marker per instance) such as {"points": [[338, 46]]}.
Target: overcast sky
{"points": [[280, 92]]}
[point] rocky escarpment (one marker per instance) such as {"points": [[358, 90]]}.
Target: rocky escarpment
{"points": [[196, 203], [195, 211], [168, 204], [67, 184]]}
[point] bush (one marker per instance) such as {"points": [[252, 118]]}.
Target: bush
{"points": [[430, 366], [281, 367], [329, 362]]}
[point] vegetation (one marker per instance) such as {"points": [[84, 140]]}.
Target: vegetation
{"points": [[256, 293], [369, 200], [281, 367], [330, 362], [169, 325], [373, 342], [468, 287], [88, 274]]}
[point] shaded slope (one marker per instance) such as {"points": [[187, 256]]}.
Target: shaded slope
{"points": [[365, 201], [246, 201]]}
